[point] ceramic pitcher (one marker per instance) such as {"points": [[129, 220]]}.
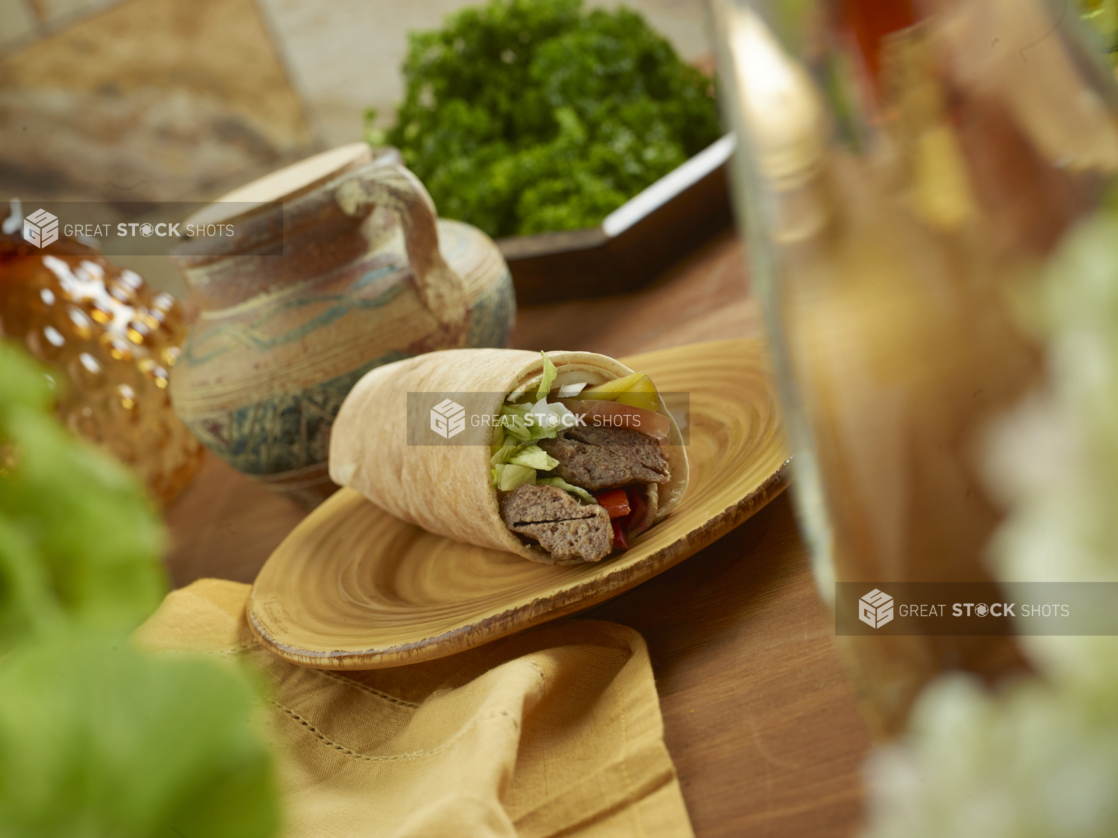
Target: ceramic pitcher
{"points": [[334, 266]]}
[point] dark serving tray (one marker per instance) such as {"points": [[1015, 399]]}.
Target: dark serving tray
{"points": [[635, 243]]}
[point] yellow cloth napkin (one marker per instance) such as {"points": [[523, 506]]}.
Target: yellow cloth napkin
{"points": [[552, 732]]}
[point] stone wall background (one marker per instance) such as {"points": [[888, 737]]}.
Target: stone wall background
{"points": [[183, 100]]}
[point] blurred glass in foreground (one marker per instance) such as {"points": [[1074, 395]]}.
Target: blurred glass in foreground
{"points": [[111, 340], [906, 170], [1037, 756]]}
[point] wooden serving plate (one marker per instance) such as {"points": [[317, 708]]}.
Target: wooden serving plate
{"points": [[354, 588]]}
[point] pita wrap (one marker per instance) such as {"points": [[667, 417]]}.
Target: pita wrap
{"points": [[447, 487]]}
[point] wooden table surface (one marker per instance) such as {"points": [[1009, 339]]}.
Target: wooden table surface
{"points": [[757, 714]]}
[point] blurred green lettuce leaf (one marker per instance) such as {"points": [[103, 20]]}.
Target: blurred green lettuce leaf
{"points": [[1102, 16], [78, 538], [96, 739]]}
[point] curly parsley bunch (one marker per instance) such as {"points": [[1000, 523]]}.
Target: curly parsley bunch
{"points": [[528, 116]]}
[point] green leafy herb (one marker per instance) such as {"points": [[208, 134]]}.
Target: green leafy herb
{"points": [[527, 116]]}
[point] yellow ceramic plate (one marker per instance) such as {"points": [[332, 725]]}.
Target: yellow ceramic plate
{"points": [[354, 588]]}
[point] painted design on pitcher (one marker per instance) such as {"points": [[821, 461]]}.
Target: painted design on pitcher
{"points": [[492, 315], [221, 339], [292, 431], [285, 432]]}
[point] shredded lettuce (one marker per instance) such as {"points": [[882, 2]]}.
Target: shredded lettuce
{"points": [[502, 454], [508, 477], [527, 423], [516, 428], [550, 419], [534, 457], [549, 373], [542, 421], [516, 458], [497, 438], [560, 483]]}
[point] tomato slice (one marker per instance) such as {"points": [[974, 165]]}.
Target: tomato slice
{"points": [[620, 541], [601, 413], [638, 520], [615, 502]]}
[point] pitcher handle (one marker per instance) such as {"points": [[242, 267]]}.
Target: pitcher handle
{"points": [[393, 187]]}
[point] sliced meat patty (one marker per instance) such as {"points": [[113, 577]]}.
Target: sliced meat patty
{"points": [[597, 458], [568, 530]]}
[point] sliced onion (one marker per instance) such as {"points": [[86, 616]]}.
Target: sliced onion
{"points": [[569, 391]]}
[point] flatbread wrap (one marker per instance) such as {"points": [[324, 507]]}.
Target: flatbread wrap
{"points": [[559, 457]]}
